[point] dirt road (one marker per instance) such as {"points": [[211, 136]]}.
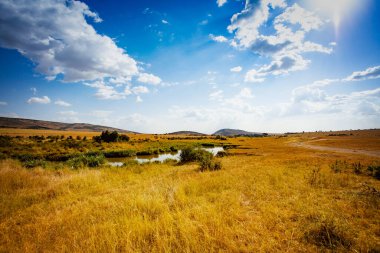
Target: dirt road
{"points": [[336, 149]]}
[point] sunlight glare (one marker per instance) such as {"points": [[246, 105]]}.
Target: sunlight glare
{"points": [[335, 10]]}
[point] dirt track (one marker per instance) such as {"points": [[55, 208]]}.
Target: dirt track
{"points": [[335, 149]]}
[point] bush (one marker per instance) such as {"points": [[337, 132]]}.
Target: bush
{"points": [[119, 153], [187, 155], [374, 171], [204, 158], [221, 154], [107, 136], [86, 161], [34, 163], [210, 165]]}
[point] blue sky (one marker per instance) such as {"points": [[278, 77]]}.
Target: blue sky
{"points": [[162, 66]]}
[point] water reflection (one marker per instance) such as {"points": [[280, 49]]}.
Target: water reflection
{"points": [[117, 162]]}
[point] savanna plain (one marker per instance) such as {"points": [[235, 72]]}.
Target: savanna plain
{"points": [[304, 192]]}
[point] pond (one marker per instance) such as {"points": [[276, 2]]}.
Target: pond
{"points": [[117, 162]]}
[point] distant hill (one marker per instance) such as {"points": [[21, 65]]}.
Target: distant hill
{"points": [[50, 125], [238, 132], [187, 133]]}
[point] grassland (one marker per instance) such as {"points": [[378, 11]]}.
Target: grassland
{"points": [[270, 196]]}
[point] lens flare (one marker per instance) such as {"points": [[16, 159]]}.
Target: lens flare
{"points": [[334, 10]]}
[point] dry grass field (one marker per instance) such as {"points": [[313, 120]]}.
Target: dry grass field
{"points": [[273, 194]]}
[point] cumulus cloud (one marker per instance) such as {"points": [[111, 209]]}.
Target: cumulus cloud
{"points": [[285, 45], [281, 65], [58, 37], [369, 73], [62, 103], [2, 103], [312, 98], [236, 69], [149, 79], [297, 15], [138, 99], [39, 100], [140, 90], [106, 92], [219, 38], [220, 3]]}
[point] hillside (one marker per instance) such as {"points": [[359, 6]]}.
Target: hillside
{"points": [[187, 133], [51, 125], [238, 132]]}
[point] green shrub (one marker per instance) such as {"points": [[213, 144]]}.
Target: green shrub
{"points": [[209, 145], [374, 171], [119, 153], [86, 161], [5, 141], [188, 154], [221, 154], [145, 152], [3, 156], [34, 163], [205, 159], [108, 136]]}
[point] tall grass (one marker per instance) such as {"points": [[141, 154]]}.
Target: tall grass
{"points": [[262, 201]]}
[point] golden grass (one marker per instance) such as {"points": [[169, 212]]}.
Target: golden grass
{"points": [[268, 197]]}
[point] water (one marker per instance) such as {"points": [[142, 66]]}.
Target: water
{"points": [[117, 162]]}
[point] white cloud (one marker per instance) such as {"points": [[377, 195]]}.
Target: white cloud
{"points": [[149, 79], [279, 66], [236, 69], [58, 36], [221, 2], [219, 38], [312, 98], [39, 100], [140, 90], [333, 43], [285, 45], [165, 22], [68, 113], [369, 73], [106, 92], [2, 103], [246, 24], [62, 103], [297, 15], [138, 99]]}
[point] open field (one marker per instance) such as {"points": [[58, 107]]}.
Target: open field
{"points": [[270, 195]]}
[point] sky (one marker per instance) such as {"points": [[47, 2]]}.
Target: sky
{"points": [[201, 65]]}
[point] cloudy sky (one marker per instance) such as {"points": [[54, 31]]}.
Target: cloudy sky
{"points": [[160, 66]]}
